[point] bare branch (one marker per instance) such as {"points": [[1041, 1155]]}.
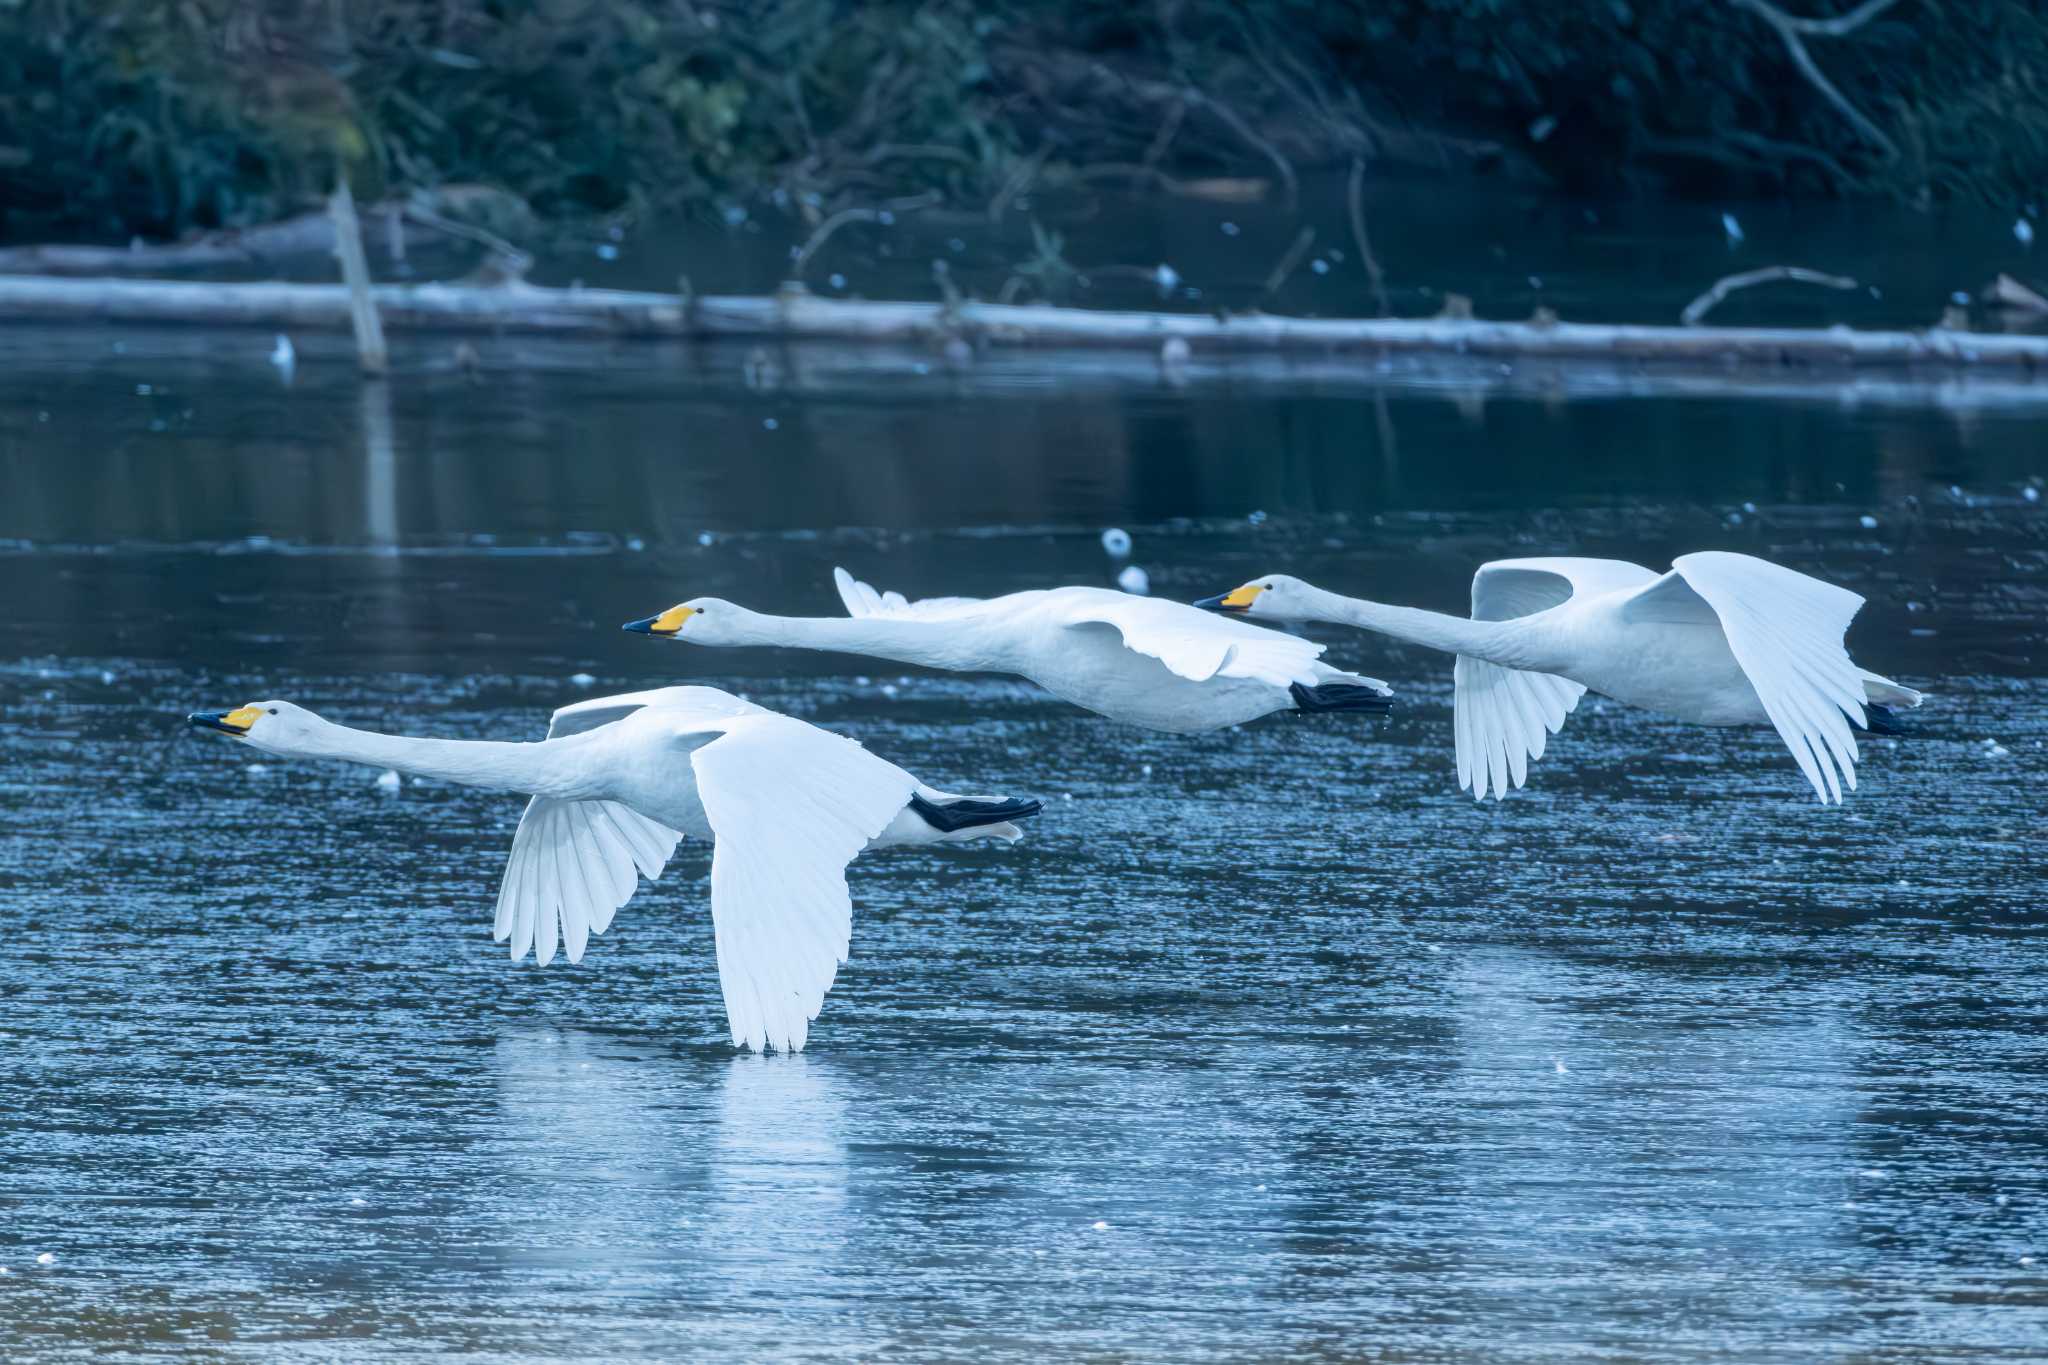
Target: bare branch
{"points": [[1355, 197], [1793, 29], [1284, 267], [1706, 302]]}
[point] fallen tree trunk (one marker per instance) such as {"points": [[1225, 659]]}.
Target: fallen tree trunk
{"points": [[796, 315]]}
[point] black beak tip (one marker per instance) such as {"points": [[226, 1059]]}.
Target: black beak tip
{"points": [[645, 626], [1215, 603], [210, 720]]}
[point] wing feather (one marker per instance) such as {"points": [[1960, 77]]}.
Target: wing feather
{"points": [[571, 867], [1786, 630], [1504, 720], [790, 806], [1193, 643], [1505, 716], [862, 600]]}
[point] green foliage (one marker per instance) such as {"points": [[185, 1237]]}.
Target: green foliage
{"points": [[156, 117]]}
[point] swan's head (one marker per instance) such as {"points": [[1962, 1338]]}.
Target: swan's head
{"points": [[700, 621], [277, 726], [1276, 597]]}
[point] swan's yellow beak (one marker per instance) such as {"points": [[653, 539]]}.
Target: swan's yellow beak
{"points": [[668, 623], [235, 722], [1237, 599]]}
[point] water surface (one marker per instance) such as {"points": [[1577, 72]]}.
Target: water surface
{"points": [[1268, 1044]]}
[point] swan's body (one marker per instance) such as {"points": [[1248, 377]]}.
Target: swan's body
{"points": [[1722, 639], [1161, 665], [619, 780]]}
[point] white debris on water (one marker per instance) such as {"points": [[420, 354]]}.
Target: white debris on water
{"points": [[257, 769], [1116, 541], [1559, 1067], [2023, 232], [47, 1258], [283, 356], [1134, 580], [1868, 523], [769, 424], [705, 538], [1320, 266], [1100, 1226], [1257, 518], [358, 1203], [1732, 228], [889, 689], [2031, 493], [581, 680], [389, 781], [1166, 277]]}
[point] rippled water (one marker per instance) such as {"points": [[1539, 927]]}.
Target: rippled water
{"points": [[1263, 1044]]}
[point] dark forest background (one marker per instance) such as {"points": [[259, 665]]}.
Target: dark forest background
{"points": [[155, 118]]}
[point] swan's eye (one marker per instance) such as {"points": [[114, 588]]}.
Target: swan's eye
{"points": [[1269, 587], [273, 710]]}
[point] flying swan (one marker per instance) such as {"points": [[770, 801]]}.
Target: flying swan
{"points": [[619, 780], [1162, 665], [1722, 639]]}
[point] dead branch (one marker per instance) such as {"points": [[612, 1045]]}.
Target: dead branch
{"points": [[824, 234], [355, 273], [611, 314], [1794, 30], [1284, 267], [1355, 198], [2007, 292], [1727, 285]]}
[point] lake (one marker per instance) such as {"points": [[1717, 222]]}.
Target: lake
{"points": [[1265, 1044]]}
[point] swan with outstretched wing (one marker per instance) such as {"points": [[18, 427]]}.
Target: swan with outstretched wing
{"points": [[620, 780], [1721, 639]]}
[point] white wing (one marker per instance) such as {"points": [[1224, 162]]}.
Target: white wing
{"points": [[708, 702], [574, 863], [1508, 588], [1785, 630], [1505, 716], [1196, 644], [790, 805], [862, 600]]}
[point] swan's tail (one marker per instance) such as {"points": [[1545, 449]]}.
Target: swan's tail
{"points": [[966, 817], [1366, 694]]}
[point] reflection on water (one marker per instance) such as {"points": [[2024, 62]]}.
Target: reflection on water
{"points": [[1263, 1044]]}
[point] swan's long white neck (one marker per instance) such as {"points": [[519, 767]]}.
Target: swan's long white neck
{"points": [[952, 645], [548, 768], [1500, 642]]}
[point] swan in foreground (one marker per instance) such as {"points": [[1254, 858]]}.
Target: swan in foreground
{"points": [[1162, 665], [1722, 639], [619, 780]]}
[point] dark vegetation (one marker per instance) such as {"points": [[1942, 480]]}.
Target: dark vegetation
{"points": [[158, 117]]}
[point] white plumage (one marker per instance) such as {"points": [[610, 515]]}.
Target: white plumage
{"points": [[1163, 665], [620, 780], [1721, 639]]}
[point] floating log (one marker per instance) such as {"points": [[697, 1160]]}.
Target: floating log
{"points": [[796, 315]]}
